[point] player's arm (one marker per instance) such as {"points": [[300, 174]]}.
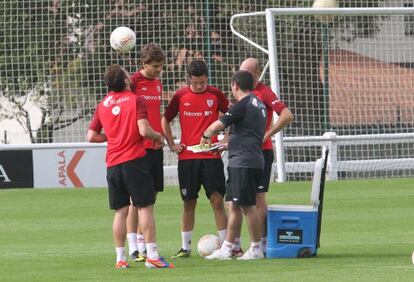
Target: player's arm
{"points": [[166, 128], [94, 134], [285, 117], [146, 131], [211, 131], [95, 137]]}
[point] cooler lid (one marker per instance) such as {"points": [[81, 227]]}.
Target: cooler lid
{"points": [[292, 208]]}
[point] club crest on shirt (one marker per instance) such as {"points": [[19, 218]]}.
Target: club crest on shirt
{"points": [[254, 102], [116, 110], [159, 89], [210, 103], [144, 88]]}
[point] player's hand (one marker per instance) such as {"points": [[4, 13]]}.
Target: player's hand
{"points": [[205, 141], [266, 136], [158, 143], [223, 147], [177, 148]]}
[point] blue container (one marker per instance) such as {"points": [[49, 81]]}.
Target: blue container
{"points": [[291, 231]]}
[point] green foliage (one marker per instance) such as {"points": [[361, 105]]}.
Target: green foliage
{"points": [[59, 49]]}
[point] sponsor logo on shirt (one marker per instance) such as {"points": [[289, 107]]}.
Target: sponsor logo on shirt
{"points": [[187, 104], [110, 100], [210, 103], [275, 101], [148, 97], [193, 114], [107, 101], [144, 88], [207, 113]]}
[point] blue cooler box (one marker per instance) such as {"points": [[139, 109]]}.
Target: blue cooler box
{"points": [[291, 231]]}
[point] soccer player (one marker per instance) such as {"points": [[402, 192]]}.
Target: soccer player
{"points": [[145, 83], [197, 105], [273, 104], [123, 117], [247, 121]]}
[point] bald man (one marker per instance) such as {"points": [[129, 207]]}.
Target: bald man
{"points": [[273, 104]]}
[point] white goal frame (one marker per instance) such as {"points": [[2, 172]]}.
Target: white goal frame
{"points": [[272, 50]]}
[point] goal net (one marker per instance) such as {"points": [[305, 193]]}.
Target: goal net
{"points": [[53, 55], [348, 75]]}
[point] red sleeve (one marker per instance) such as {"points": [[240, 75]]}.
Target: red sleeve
{"points": [[142, 112], [173, 107], [271, 100], [134, 81], [223, 102], [95, 124]]}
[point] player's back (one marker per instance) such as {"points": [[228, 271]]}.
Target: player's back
{"points": [[118, 113]]}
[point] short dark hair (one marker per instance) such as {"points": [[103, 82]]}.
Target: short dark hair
{"points": [[115, 78], [152, 53], [243, 79], [197, 68]]}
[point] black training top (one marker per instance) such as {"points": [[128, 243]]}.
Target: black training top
{"points": [[247, 118]]}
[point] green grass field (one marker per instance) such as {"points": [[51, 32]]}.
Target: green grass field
{"points": [[65, 235]]}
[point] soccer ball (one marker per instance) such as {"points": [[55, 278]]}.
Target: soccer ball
{"points": [[122, 39], [208, 244], [324, 4]]}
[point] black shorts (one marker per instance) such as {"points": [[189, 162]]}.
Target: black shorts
{"points": [[194, 173], [265, 180], [130, 181], [155, 160], [242, 184]]}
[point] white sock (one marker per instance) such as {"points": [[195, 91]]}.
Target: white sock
{"points": [[132, 242], [237, 244], [186, 240], [226, 248], [222, 234], [120, 254], [152, 251], [256, 247], [264, 244], [141, 243]]}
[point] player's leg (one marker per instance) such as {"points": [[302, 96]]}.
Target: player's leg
{"points": [[140, 186], [119, 232], [119, 200], [155, 159], [261, 194], [214, 182], [250, 180], [235, 218], [132, 225], [188, 178]]}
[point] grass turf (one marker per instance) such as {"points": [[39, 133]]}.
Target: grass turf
{"points": [[65, 235]]}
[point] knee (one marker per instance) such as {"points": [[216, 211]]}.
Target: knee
{"points": [[190, 205]]}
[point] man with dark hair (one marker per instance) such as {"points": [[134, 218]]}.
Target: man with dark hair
{"points": [[123, 117], [145, 83], [273, 104], [198, 105], [247, 121]]}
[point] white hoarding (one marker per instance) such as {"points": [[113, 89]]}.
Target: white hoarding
{"points": [[69, 167]]}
